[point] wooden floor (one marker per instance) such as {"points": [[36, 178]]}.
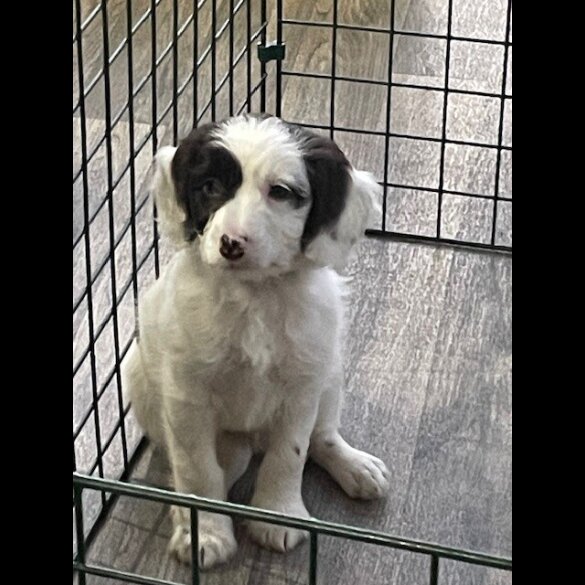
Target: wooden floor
{"points": [[428, 363]]}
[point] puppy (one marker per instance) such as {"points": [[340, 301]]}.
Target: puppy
{"points": [[240, 338]]}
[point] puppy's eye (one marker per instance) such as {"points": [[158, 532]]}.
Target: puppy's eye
{"points": [[279, 193], [212, 189], [208, 187]]}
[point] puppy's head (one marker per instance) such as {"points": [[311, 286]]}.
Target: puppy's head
{"points": [[262, 196]]}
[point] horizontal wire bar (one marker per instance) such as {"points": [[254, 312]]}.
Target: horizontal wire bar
{"points": [[413, 238], [90, 18], [101, 391], [113, 56], [207, 49], [140, 85], [405, 33], [118, 50], [366, 81], [104, 262], [145, 15], [125, 168], [123, 576], [252, 92], [224, 79], [182, 29], [241, 54], [112, 498], [446, 191], [319, 526], [138, 88], [119, 299], [110, 439], [183, 86], [398, 135], [144, 141], [205, 109]]}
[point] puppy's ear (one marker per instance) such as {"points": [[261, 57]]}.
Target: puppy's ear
{"points": [[170, 215], [344, 202]]}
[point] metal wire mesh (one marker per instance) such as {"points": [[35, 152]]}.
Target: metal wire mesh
{"points": [[444, 142], [116, 132], [119, 126]]}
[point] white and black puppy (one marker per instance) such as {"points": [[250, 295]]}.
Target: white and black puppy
{"points": [[241, 336]]}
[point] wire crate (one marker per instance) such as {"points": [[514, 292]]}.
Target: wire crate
{"points": [[143, 77]]}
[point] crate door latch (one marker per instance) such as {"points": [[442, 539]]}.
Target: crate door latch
{"points": [[271, 52]]}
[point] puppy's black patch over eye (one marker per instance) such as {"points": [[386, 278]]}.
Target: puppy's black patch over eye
{"points": [[279, 193], [209, 186]]}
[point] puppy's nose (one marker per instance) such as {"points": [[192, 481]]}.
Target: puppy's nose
{"points": [[230, 248]]}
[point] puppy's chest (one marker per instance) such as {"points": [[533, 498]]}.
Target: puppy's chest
{"points": [[250, 384], [244, 400], [258, 336]]}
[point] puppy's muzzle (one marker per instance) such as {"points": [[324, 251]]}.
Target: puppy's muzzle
{"points": [[231, 248]]}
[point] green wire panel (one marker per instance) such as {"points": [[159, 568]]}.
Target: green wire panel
{"points": [[312, 525]]}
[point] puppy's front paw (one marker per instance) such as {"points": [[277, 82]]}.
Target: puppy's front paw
{"points": [[278, 538], [216, 541], [363, 476]]}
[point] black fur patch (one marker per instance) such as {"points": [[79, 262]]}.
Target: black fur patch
{"points": [[205, 176], [328, 172]]}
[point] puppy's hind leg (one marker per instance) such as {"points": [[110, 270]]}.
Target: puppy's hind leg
{"points": [[233, 455], [360, 474]]}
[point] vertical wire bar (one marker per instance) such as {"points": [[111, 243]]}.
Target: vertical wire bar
{"points": [[313, 559], [501, 125], [388, 115], [154, 122], [154, 112], [263, 24], [231, 58], [444, 130], [434, 570], [87, 243], [111, 220], [249, 55], [195, 59], [195, 573], [175, 52], [132, 169], [213, 57], [79, 531], [333, 71], [73, 437], [278, 61]]}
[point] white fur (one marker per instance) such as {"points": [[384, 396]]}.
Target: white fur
{"points": [[359, 212], [170, 215], [231, 358]]}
